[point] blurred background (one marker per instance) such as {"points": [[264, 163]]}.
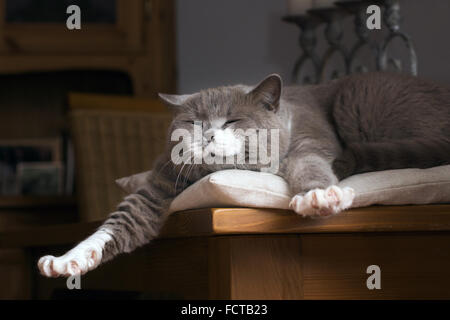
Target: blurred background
{"points": [[78, 108], [223, 42]]}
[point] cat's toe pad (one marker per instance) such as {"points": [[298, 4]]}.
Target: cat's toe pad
{"points": [[76, 262], [320, 202]]}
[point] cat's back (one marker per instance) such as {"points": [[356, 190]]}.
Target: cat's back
{"points": [[317, 97], [391, 101], [395, 90]]}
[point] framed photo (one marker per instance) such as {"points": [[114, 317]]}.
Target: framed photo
{"points": [[16, 154], [40, 178]]}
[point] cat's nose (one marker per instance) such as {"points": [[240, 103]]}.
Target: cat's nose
{"points": [[209, 135]]}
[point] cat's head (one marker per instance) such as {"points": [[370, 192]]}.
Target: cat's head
{"points": [[219, 123]]}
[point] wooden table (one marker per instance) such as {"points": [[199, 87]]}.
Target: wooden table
{"points": [[242, 253]]}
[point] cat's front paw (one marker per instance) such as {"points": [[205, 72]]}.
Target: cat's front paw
{"points": [[74, 262], [323, 203]]}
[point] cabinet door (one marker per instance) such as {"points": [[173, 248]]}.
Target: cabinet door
{"points": [[40, 26]]}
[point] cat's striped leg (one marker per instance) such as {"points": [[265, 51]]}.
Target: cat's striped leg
{"points": [[138, 220]]}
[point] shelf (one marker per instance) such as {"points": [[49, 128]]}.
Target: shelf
{"points": [[36, 201]]}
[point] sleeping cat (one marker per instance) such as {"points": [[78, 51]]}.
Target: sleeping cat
{"points": [[359, 123]]}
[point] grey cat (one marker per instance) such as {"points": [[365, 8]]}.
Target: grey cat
{"points": [[355, 124]]}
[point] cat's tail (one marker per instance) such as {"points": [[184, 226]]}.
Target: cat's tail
{"points": [[398, 154]]}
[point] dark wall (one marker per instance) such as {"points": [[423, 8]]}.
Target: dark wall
{"points": [[235, 41]]}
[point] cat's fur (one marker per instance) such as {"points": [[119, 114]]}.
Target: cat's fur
{"points": [[355, 124]]}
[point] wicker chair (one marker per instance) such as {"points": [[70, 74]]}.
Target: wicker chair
{"points": [[114, 136]]}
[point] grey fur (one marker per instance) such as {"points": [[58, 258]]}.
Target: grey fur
{"points": [[360, 123]]}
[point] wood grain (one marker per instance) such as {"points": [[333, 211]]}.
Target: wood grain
{"points": [[277, 255], [370, 219], [219, 268], [265, 267], [193, 223], [125, 35], [252, 267], [141, 43], [228, 221], [413, 265]]}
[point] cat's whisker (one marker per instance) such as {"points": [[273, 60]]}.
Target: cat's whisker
{"points": [[162, 167], [189, 171], [189, 153], [178, 176]]}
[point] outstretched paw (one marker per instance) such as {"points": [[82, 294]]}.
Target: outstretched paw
{"points": [[87, 255], [74, 262], [323, 203]]}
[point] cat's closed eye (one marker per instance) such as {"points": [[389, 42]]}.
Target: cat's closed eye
{"points": [[189, 121], [227, 123]]}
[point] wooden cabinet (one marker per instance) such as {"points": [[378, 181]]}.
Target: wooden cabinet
{"points": [[255, 253], [16, 212], [15, 275], [133, 36]]}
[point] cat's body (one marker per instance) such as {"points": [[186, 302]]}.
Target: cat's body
{"points": [[326, 132], [373, 122]]}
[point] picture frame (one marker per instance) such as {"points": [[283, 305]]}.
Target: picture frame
{"points": [[40, 178], [22, 158]]}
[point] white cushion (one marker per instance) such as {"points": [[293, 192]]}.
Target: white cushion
{"points": [[241, 188]]}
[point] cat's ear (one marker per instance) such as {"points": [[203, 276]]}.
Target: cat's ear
{"points": [[268, 92], [175, 100]]}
